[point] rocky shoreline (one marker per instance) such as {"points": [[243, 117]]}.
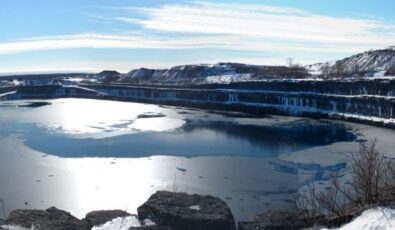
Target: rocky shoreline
{"points": [[166, 211], [163, 210]]}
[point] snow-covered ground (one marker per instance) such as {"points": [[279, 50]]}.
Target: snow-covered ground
{"points": [[228, 78], [372, 219], [14, 227], [120, 223]]}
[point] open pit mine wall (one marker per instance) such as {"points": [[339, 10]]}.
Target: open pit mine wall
{"points": [[378, 87], [370, 102]]}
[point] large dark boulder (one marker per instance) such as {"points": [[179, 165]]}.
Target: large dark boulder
{"points": [[49, 219], [181, 211], [97, 218]]}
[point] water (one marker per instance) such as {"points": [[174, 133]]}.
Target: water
{"points": [[82, 155], [82, 128]]}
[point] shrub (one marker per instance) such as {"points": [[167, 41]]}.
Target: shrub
{"points": [[372, 183]]}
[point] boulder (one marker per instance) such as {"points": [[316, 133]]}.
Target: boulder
{"points": [[49, 219], [182, 211], [97, 218]]}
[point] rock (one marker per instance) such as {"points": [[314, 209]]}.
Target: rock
{"points": [[273, 220], [36, 104], [49, 219], [181, 211], [107, 76], [97, 218], [151, 115], [152, 227]]}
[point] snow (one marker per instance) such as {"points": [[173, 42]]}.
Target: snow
{"points": [[120, 223], [379, 74], [14, 227], [195, 207], [376, 218], [5, 94], [227, 78]]}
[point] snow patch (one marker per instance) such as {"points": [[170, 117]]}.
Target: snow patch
{"points": [[379, 74], [377, 218], [227, 78], [15, 227], [120, 223], [195, 207]]}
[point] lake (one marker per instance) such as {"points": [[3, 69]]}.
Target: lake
{"points": [[82, 155]]}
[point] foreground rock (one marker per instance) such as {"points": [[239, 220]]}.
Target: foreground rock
{"points": [[163, 211], [97, 218], [181, 211], [49, 219]]}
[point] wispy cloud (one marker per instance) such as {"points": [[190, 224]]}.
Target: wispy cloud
{"points": [[141, 41], [265, 22], [93, 40], [243, 27]]}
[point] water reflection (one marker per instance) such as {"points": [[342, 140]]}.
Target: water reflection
{"points": [[82, 118], [201, 138]]}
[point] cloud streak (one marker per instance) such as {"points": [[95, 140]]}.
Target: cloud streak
{"points": [[265, 22], [198, 25]]}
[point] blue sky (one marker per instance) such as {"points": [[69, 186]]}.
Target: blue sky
{"points": [[91, 35]]}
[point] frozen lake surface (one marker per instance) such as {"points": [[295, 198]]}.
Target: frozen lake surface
{"points": [[82, 155]]}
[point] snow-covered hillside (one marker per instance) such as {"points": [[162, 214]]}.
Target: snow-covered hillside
{"points": [[378, 60], [376, 63], [218, 73]]}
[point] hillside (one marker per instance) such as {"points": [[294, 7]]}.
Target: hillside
{"points": [[376, 63], [220, 72]]}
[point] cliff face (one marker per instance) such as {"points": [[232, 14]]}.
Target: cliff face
{"points": [[370, 101]]}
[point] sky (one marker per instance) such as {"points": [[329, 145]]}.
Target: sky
{"points": [[93, 35]]}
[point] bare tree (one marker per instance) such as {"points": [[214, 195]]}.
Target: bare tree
{"points": [[368, 175], [325, 69], [389, 185], [290, 62], [339, 68], [308, 208], [372, 182], [3, 207]]}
